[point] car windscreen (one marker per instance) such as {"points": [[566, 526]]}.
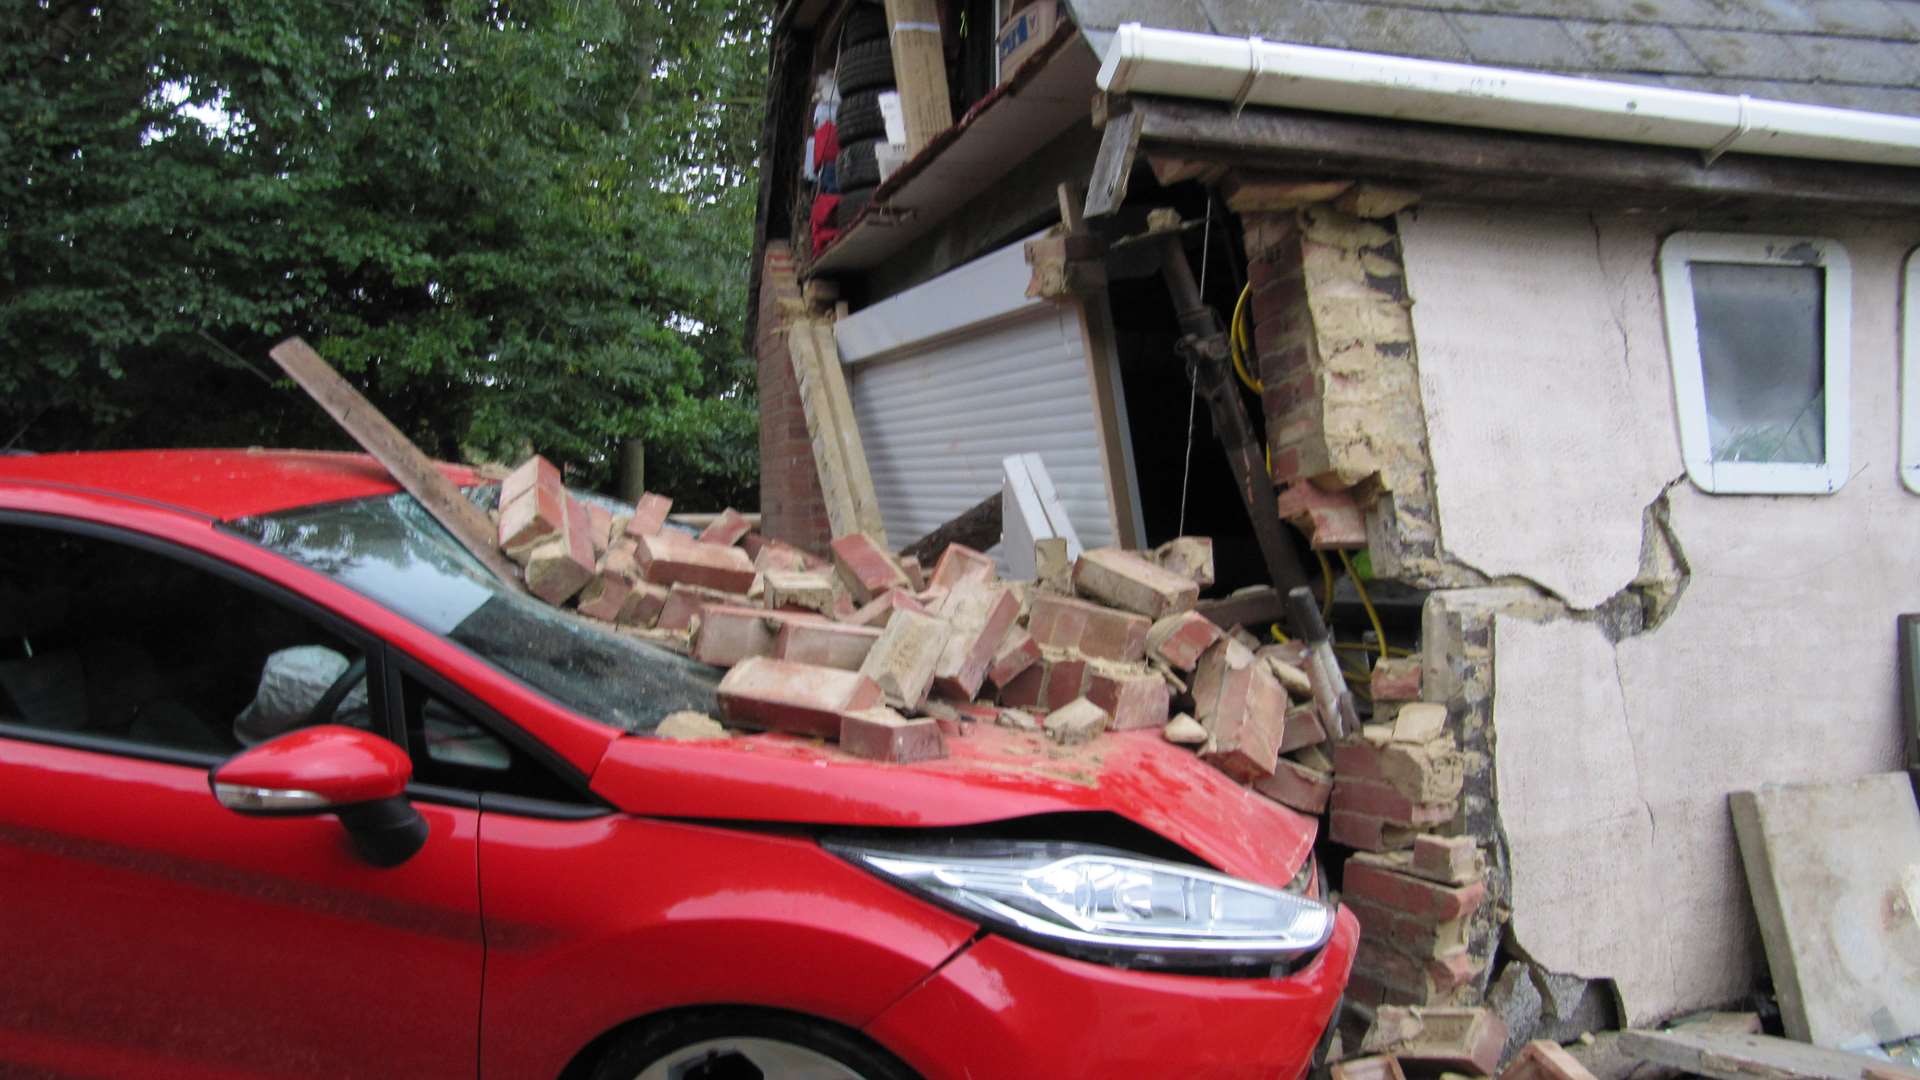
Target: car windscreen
{"points": [[389, 548]]}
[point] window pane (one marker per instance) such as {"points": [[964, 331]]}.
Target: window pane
{"points": [[100, 638], [1761, 352]]}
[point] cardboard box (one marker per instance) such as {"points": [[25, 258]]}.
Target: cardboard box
{"points": [[1024, 32]]}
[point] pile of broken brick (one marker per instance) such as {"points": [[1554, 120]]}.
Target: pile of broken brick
{"points": [[1444, 1042], [890, 659]]}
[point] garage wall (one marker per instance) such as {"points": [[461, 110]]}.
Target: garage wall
{"points": [[1547, 388]]}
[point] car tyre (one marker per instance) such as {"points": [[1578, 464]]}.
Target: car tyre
{"points": [[723, 1044], [865, 22], [865, 66], [860, 117], [858, 167]]}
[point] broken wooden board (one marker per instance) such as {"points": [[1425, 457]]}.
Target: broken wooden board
{"points": [[919, 69], [1834, 870], [845, 484], [1031, 510], [390, 447], [1735, 1056], [853, 452], [977, 528]]}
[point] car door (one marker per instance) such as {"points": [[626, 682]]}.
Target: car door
{"points": [[148, 931]]}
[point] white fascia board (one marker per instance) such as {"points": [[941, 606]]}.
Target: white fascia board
{"points": [[1250, 71]]}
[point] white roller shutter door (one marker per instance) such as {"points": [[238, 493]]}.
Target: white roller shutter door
{"points": [[952, 376]]}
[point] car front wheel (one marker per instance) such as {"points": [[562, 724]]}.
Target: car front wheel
{"points": [[745, 1044]]}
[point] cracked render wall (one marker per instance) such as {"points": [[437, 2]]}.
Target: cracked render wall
{"points": [[1635, 682]]}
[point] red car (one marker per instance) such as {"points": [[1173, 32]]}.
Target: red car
{"points": [[461, 853]]}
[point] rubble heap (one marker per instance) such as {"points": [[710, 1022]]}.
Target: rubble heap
{"points": [[890, 659]]}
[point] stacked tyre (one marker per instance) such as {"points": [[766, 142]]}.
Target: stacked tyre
{"points": [[865, 71]]}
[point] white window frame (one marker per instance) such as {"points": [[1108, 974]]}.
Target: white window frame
{"points": [[1910, 375], [1677, 254]]}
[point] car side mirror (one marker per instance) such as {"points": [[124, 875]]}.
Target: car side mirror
{"points": [[329, 769]]}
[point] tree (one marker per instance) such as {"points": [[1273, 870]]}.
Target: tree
{"points": [[515, 225]]}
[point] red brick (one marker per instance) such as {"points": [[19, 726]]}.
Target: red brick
{"points": [[796, 698], [1018, 652], [903, 658], [1450, 859], [643, 605], [1245, 723], [1385, 802], [1027, 689], [1124, 580], [562, 565], [604, 596], [1428, 773], [649, 515], [683, 603], [1062, 622], [1396, 679], [728, 634], [534, 472], [961, 563], [1066, 681], [1293, 784], [671, 557], [1411, 895], [808, 590], [916, 574], [1136, 701], [1283, 462], [599, 528], [1544, 1059], [881, 734], [727, 529], [1302, 727], [1365, 832], [1181, 639], [980, 616], [834, 645], [535, 517], [1408, 933], [866, 567], [881, 608]]}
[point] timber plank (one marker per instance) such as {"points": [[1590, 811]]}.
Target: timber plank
{"points": [[919, 69], [390, 447], [846, 433]]}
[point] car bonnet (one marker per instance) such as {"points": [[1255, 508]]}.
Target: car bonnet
{"points": [[990, 774]]}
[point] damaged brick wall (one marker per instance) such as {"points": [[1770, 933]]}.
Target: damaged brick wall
{"points": [[1345, 425], [792, 507]]}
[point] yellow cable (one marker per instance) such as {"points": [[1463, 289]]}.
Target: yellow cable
{"points": [[1237, 342], [1373, 616], [1354, 646]]}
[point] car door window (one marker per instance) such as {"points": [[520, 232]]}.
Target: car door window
{"points": [[457, 743], [110, 639]]}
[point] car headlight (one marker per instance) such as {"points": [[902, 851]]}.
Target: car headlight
{"points": [[1106, 905]]}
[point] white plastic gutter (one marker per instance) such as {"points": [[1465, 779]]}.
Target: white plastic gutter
{"points": [[1250, 71]]}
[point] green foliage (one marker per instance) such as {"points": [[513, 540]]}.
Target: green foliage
{"points": [[514, 225]]}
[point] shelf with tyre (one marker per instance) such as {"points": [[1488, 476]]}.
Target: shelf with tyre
{"points": [[864, 75]]}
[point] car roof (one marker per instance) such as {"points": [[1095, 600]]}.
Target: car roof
{"points": [[222, 484]]}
